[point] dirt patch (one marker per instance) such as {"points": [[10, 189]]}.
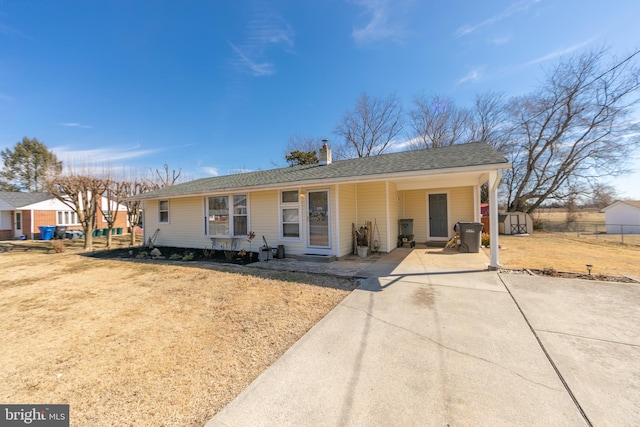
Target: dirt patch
{"points": [[140, 343]]}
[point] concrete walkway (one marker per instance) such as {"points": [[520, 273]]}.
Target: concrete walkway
{"points": [[433, 338]]}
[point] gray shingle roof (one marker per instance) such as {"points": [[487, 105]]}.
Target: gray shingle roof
{"points": [[19, 200], [455, 156]]}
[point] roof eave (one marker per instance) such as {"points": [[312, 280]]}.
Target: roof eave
{"points": [[325, 181]]}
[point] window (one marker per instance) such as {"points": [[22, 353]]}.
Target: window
{"points": [[163, 211], [290, 214], [240, 216], [67, 218], [224, 220]]}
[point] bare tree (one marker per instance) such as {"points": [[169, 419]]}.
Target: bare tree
{"points": [[112, 200], [489, 120], [166, 179], [302, 150], [132, 187], [371, 127], [574, 129], [602, 195], [303, 143], [81, 191], [436, 122]]}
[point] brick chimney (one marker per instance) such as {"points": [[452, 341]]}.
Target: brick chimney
{"points": [[325, 154]]}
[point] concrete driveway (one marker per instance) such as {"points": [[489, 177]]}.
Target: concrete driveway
{"points": [[433, 338]]}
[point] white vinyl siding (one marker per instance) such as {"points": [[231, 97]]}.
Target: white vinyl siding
{"points": [[346, 194], [372, 206], [414, 205]]}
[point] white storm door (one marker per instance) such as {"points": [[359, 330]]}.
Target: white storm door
{"points": [[318, 224]]}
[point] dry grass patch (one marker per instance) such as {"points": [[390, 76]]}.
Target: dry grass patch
{"points": [[569, 253], [128, 343], [559, 215]]}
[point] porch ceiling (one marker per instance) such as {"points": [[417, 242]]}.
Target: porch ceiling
{"points": [[445, 180]]}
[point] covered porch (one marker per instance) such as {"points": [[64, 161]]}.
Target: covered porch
{"points": [[434, 202]]}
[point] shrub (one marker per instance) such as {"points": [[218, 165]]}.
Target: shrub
{"points": [[58, 246], [485, 239]]}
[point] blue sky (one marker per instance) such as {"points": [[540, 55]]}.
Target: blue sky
{"points": [[218, 87]]}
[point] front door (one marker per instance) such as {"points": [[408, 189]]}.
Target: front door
{"points": [[18, 224], [318, 220], [438, 216]]}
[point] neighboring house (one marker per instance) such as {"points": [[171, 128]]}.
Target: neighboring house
{"points": [[312, 209], [21, 215], [622, 217]]}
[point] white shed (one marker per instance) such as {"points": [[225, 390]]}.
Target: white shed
{"points": [[515, 223], [622, 217]]}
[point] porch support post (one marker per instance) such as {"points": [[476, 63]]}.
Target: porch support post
{"points": [[476, 204], [494, 181]]}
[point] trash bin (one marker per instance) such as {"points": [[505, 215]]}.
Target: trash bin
{"points": [[119, 230], [470, 233], [59, 232], [406, 227], [46, 232], [97, 232]]}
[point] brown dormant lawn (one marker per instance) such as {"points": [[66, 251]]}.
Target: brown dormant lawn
{"points": [[140, 343], [569, 253], [136, 343]]}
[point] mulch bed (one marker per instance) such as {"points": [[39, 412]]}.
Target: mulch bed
{"points": [[550, 272], [179, 254]]}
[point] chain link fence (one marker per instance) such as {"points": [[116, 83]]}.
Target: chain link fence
{"points": [[619, 233]]}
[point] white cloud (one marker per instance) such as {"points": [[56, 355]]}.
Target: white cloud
{"points": [[560, 52], [383, 21], [211, 171], [265, 31], [70, 155], [256, 69], [513, 8], [75, 125], [472, 76], [498, 41]]}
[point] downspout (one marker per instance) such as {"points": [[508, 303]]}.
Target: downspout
{"points": [[494, 180]]}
